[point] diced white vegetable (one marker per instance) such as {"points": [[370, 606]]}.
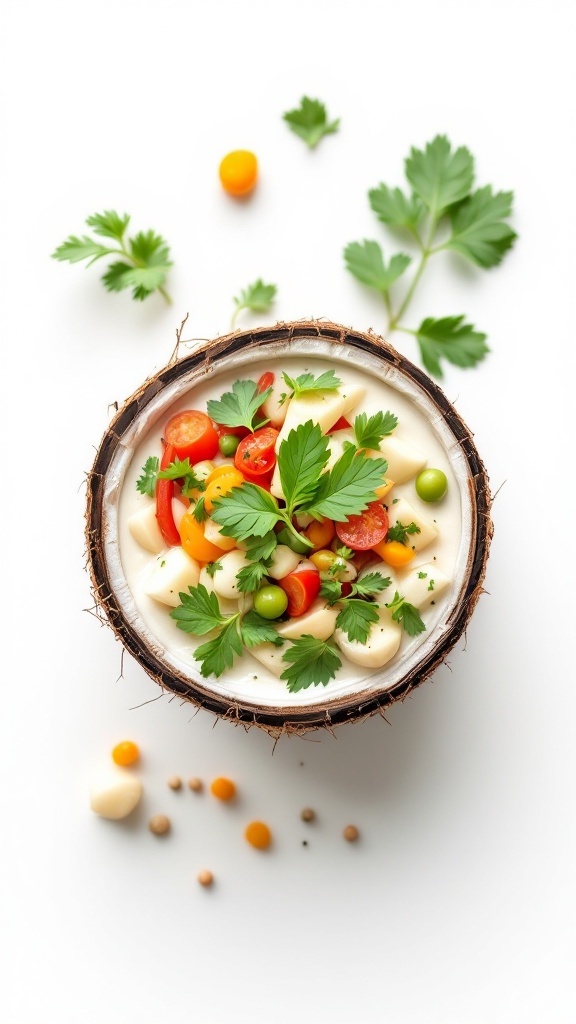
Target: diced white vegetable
{"points": [[212, 532], [203, 469], [225, 582], [179, 510], [404, 460], [423, 584], [175, 571], [271, 407], [270, 657], [143, 526], [319, 621], [402, 511], [115, 793], [352, 394], [381, 645], [227, 606], [335, 448], [284, 561]]}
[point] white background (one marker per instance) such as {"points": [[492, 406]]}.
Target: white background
{"points": [[457, 907]]}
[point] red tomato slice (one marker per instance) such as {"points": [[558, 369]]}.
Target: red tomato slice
{"points": [[302, 589], [341, 424], [365, 530], [192, 435], [255, 456], [164, 495], [266, 381]]}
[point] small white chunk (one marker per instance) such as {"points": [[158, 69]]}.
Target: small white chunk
{"points": [[270, 657], [284, 561], [402, 511], [322, 407], [225, 582], [213, 533], [423, 584], [175, 571], [319, 621], [144, 528], [203, 469], [404, 460], [352, 394], [115, 794], [179, 510], [384, 595], [271, 407], [381, 644], [226, 607]]}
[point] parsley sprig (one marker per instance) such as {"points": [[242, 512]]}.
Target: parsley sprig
{"points": [[312, 663], [356, 615], [146, 483], [257, 297], [145, 257], [307, 382], [199, 613], [180, 469], [310, 121], [239, 407], [370, 430], [406, 614], [440, 213]]}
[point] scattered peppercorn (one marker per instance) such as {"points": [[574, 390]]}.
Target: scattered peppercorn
{"points": [[159, 824], [223, 789], [206, 878], [196, 785], [175, 782], [308, 814], [351, 833], [125, 753], [258, 834]]}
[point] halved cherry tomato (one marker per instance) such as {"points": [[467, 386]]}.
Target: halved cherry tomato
{"points": [[341, 424], [365, 530], [164, 495], [221, 485], [255, 456], [302, 589], [193, 435]]}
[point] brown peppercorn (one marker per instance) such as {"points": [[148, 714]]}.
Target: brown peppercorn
{"points": [[206, 878], [175, 782], [159, 824], [196, 785], [351, 833], [308, 814]]}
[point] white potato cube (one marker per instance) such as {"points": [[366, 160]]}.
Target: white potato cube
{"points": [[352, 394], [423, 584], [213, 533], [226, 606], [284, 561], [174, 572], [144, 528], [381, 644], [273, 408], [402, 511], [319, 621], [225, 581], [270, 657], [404, 460]]}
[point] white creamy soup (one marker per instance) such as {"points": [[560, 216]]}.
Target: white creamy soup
{"points": [[443, 555]]}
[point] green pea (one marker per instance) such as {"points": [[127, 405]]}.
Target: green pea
{"points": [[270, 602], [431, 484], [228, 444]]}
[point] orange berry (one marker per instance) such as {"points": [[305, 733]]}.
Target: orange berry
{"points": [[238, 172], [258, 834], [125, 753], [223, 789]]}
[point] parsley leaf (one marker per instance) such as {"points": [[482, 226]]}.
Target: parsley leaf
{"points": [[310, 121], [451, 339], [355, 619], [180, 469], [251, 576], [312, 663], [406, 614], [146, 483], [261, 547], [237, 408], [145, 258], [306, 382], [246, 511], [399, 532], [257, 296], [366, 261], [348, 488], [301, 459], [344, 552], [370, 431], [331, 589], [371, 583], [213, 567], [439, 176], [218, 654], [199, 511], [256, 630], [392, 207], [199, 611], [478, 229]]}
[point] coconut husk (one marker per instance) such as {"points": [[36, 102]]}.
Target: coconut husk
{"points": [[327, 712]]}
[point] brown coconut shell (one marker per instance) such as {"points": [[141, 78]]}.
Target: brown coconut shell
{"points": [[327, 712]]}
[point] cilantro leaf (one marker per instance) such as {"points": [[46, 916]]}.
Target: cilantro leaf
{"points": [[307, 382], [251, 576], [246, 511], [301, 459], [146, 483], [478, 229], [256, 630], [261, 547], [399, 532], [348, 488], [199, 611], [370, 431], [310, 121], [371, 583], [145, 259], [237, 408], [451, 339], [366, 261], [393, 207], [355, 619], [218, 654], [257, 296], [406, 614], [439, 176], [312, 663]]}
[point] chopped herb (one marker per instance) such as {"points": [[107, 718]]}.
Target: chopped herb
{"points": [[344, 552], [406, 614], [146, 483], [422, 575], [213, 567], [199, 512], [399, 532], [180, 469], [431, 585]]}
